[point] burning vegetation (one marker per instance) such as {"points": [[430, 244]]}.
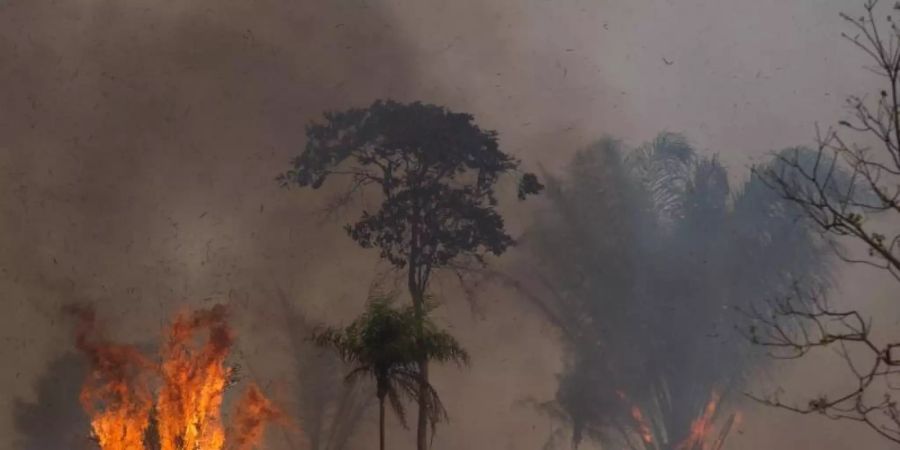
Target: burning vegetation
{"points": [[135, 403], [704, 434], [641, 257], [645, 299]]}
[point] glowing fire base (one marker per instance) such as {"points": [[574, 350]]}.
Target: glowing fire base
{"points": [[189, 383]]}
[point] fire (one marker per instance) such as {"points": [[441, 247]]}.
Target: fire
{"points": [[703, 431], [702, 427], [642, 427], [189, 404], [116, 394], [644, 430], [702, 436], [252, 414], [192, 380]]}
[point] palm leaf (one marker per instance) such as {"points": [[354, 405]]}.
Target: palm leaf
{"points": [[386, 344]]}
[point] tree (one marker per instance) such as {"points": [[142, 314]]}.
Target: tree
{"points": [[644, 257], [850, 192], [387, 344], [436, 172]]}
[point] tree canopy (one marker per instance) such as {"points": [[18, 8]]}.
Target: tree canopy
{"points": [[387, 344], [645, 257], [436, 170]]}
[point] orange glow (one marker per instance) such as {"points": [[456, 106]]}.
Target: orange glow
{"points": [[189, 404], [116, 393], [642, 427], [253, 412], [193, 378], [702, 432]]}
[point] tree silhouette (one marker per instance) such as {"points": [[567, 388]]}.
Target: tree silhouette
{"points": [[645, 256], [386, 344], [436, 172]]}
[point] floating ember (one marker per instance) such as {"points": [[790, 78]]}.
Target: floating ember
{"points": [[191, 379]]}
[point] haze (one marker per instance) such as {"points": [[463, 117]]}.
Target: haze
{"points": [[139, 141]]}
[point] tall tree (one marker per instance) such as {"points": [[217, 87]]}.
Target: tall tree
{"points": [[644, 256], [850, 191], [436, 172], [386, 344]]}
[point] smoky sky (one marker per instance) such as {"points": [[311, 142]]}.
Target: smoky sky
{"points": [[139, 141]]}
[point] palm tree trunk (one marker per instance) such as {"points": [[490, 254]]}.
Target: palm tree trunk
{"points": [[422, 429], [381, 423]]}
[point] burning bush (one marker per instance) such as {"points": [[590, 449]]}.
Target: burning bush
{"points": [[189, 385]]}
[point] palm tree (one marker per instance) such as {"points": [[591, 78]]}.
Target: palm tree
{"points": [[645, 256], [387, 344]]}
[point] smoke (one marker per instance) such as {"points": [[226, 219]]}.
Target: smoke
{"points": [[56, 407], [140, 145], [139, 139]]}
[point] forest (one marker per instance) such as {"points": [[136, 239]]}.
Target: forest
{"points": [[221, 232]]}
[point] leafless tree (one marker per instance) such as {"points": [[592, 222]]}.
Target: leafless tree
{"points": [[851, 192]]}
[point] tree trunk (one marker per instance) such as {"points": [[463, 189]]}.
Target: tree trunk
{"points": [[381, 423], [416, 288], [422, 427]]}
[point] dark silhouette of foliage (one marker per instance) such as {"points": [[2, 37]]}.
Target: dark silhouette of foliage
{"points": [[386, 345], [645, 257], [436, 172], [330, 411]]}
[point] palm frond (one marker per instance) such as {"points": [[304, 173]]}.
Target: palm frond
{"points": [[665, 166], [356, 373], [442, 347], [387, 344], [393, 396], [624, 287]]}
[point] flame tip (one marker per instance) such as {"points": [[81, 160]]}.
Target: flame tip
{"points": [[187, 408]]}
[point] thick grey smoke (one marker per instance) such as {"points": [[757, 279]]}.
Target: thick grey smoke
{"points": [[139, 139], [646, 258], [140, 144]]}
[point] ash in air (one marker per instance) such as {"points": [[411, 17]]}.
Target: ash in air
{"points": [[381, 224]]}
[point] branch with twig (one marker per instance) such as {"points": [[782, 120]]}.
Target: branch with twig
{"points": [[793, 327]]}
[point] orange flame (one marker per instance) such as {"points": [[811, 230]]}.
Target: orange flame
{"points": [[702, 428], [116, 394], [194, 380], [702, 434], [194, 377], [638, 416], [643, 429], [253, 412]]}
